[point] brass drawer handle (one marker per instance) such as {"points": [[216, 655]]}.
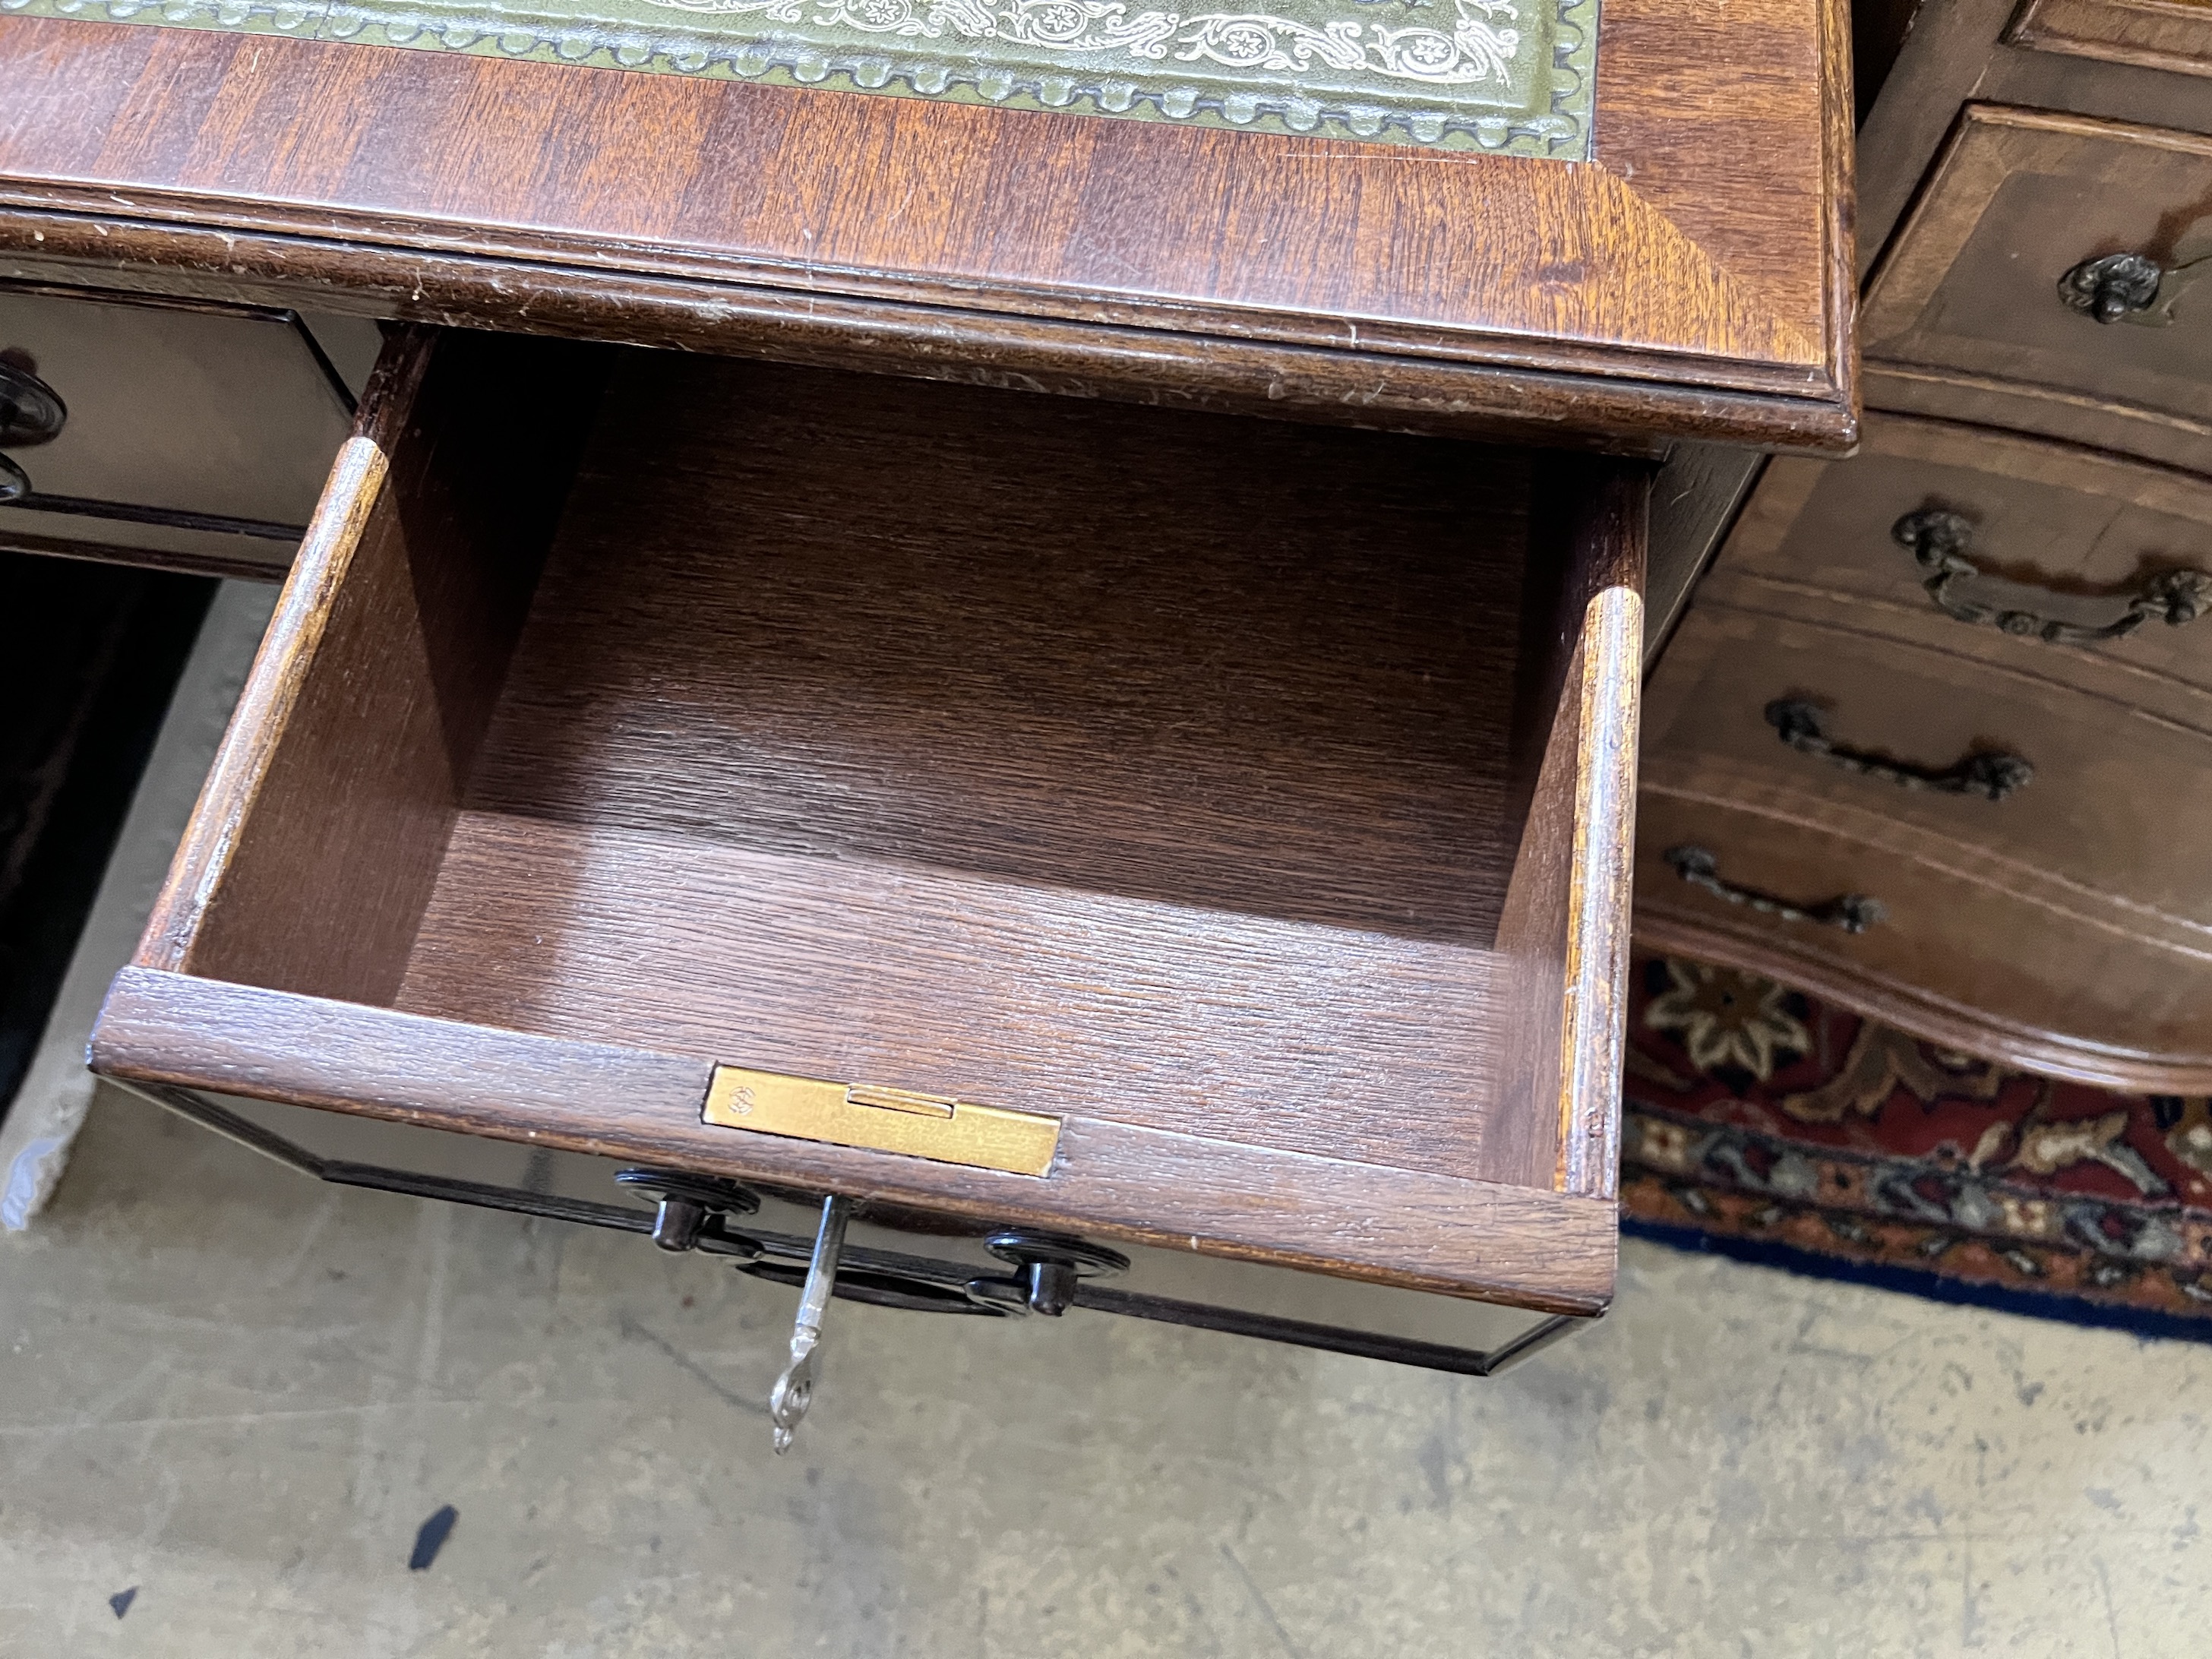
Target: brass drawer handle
{"points": [[1939, 542], [1990, 773], [2111, 288], [1853, 912]]}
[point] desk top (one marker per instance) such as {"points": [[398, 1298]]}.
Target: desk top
{"points": [[1508, 76], [1690, 279]]}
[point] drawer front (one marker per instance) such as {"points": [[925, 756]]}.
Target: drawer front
{"points": [[1952, 537], [2020, 781], [894, 1258], [1946, 949], [2056, 276], [188, 433], [2175, 36]]}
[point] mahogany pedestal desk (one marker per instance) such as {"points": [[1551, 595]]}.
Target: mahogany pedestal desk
{"points": [[994, 650]]}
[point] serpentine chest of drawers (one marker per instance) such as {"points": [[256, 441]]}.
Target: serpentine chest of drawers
{"points": [[1935, 737], [1073, 743]]}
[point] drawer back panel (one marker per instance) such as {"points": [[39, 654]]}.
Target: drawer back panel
{"points": [[1243, 666]]}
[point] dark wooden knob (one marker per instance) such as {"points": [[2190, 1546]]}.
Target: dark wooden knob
{"points": [[689, 1207], [1050, 1265], [30, 411]]}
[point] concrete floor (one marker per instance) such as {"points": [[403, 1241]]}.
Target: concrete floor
{"points": [[241, 1394]]}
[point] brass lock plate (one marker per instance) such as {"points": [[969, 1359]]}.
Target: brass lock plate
{"points": [[882, 1119]]}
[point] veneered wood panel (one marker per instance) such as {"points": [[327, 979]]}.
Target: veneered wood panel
{"points": [[1990, 967], [379, 672], [830, 188], [183, 408], [1965, 308], [2084, 817], [1534, 1248], [1239, 237], [1771, 229], [2174, 35], [2059, 531]]}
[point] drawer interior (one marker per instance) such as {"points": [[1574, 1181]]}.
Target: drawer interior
{"points": [[1148, 765]]}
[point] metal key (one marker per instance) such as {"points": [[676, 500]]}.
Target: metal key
{"points": [[794, 1389]]}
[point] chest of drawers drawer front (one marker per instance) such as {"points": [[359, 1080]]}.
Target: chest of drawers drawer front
{"points": [[2031, 228], [2053, 533], [1229, 790], [2174, 35], [2013, 971], [2073, 820]]}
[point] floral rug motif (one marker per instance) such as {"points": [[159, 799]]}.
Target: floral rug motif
{"points": [[1766, 1123]]}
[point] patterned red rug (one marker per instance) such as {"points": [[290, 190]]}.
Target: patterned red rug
{"points": [[1766, 1124]]}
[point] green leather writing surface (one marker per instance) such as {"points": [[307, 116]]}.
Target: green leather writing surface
{"points": [[1513, 76]]}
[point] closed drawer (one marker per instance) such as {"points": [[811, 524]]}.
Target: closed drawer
{"points": [[195, 436], [1233, 814], [2060, 541], [1943, 950], [2033, 227], [2005, 778], [2174, 35]]}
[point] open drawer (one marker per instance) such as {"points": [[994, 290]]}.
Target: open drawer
{"points": [[1201, 837]]}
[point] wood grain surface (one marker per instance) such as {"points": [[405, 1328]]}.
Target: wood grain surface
{"points": [[1331, 1041], [1968, 291], [2084, 821], [2175, 36], [1539, 1250], [2065, 928], [1988, 969], [1158, 771], [1564, 930], [2058, 530], [1595, 976], [1053, 756], [1688, 282], [1246, 665], [378, 672]]}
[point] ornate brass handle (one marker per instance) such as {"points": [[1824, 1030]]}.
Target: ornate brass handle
{"points": [[1852, 912], [2111, 288], [1939, 542], [1990, 773], [30, 411]]}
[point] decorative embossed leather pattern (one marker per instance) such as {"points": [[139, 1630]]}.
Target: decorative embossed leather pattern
{"points": [[1515, 76]]}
